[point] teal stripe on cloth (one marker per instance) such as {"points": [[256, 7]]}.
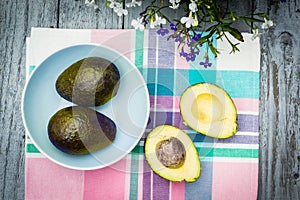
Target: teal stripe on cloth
{"points": [[30, 148], [203, 151], [134, 168], [139, 50], [151, 78], [134, 176], [161, 83], [197, 76], [216, 152], [165, 82], [31, 68], [231, 152], [239, 84]]}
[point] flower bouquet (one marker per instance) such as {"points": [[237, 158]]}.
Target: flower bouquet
{"points": [[200, 20]]}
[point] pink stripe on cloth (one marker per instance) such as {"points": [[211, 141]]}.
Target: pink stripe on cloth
{"points": [[119, 40], [164, 102], [177, 190], [47, 180], [106, 183], [245, 104], [177, 103], [234, 181], [152, 101], [181, 62]]}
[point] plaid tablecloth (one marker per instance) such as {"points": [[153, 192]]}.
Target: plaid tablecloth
{"points": [[229, 166]]}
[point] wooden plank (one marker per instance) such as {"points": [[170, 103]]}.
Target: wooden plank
{"points": [[75, 14], [16, 19], [279, 106], [133, 13]]}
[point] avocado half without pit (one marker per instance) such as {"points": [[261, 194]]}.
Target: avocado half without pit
{"points": [[172, 155], [208, 109]]}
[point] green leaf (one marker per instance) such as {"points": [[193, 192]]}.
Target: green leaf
{"points": [[234, 48], [234, 32], [214, 50], [211, 28], [251, 19]]}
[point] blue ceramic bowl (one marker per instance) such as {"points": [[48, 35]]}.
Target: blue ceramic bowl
{"points": [[129, 109]]}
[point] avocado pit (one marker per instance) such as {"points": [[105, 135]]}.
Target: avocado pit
{"points": [[171, 153]]}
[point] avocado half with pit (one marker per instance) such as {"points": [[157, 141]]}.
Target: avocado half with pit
{"points": [[172, 155], [208, 109]]}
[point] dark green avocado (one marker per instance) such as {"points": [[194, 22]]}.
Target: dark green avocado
{"points": [[92, 81], [80, 130]]}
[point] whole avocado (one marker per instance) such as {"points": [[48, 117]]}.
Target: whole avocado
{"points": [[92, 81], [80, 130]]}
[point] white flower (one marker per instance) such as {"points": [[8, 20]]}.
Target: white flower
{"points": [[158, 21], [138, 24], [189, 21], [91, 3], [174, 1], [118, 8], [267, 24], [255, 34], [113, 4], [193, 6], [133, 3], [175, 4], [120, 11]]}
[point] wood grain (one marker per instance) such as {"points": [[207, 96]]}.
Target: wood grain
{"points": [[74, 14], [280, 79], [16, 19], [279, 104]]}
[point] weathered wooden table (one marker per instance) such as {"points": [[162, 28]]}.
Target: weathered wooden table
{"points": [[279, 167]]}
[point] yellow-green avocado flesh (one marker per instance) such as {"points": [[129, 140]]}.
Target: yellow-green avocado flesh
{"points": [[172, 155], [208, 109]]}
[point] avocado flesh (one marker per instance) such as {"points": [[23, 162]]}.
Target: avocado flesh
{"points": [[208, 109], [80, 130], [185, 164], [91, 81]]}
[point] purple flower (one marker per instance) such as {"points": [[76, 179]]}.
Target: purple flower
{"points": [[144, 22], [177, 38], [196, 37], [162, 31], [206, 63], [190, 43], [183, 54], [191, 56], [173, 26]]}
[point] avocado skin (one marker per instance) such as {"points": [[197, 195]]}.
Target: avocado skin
{"points": [[92, 81], [80, 130]]}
